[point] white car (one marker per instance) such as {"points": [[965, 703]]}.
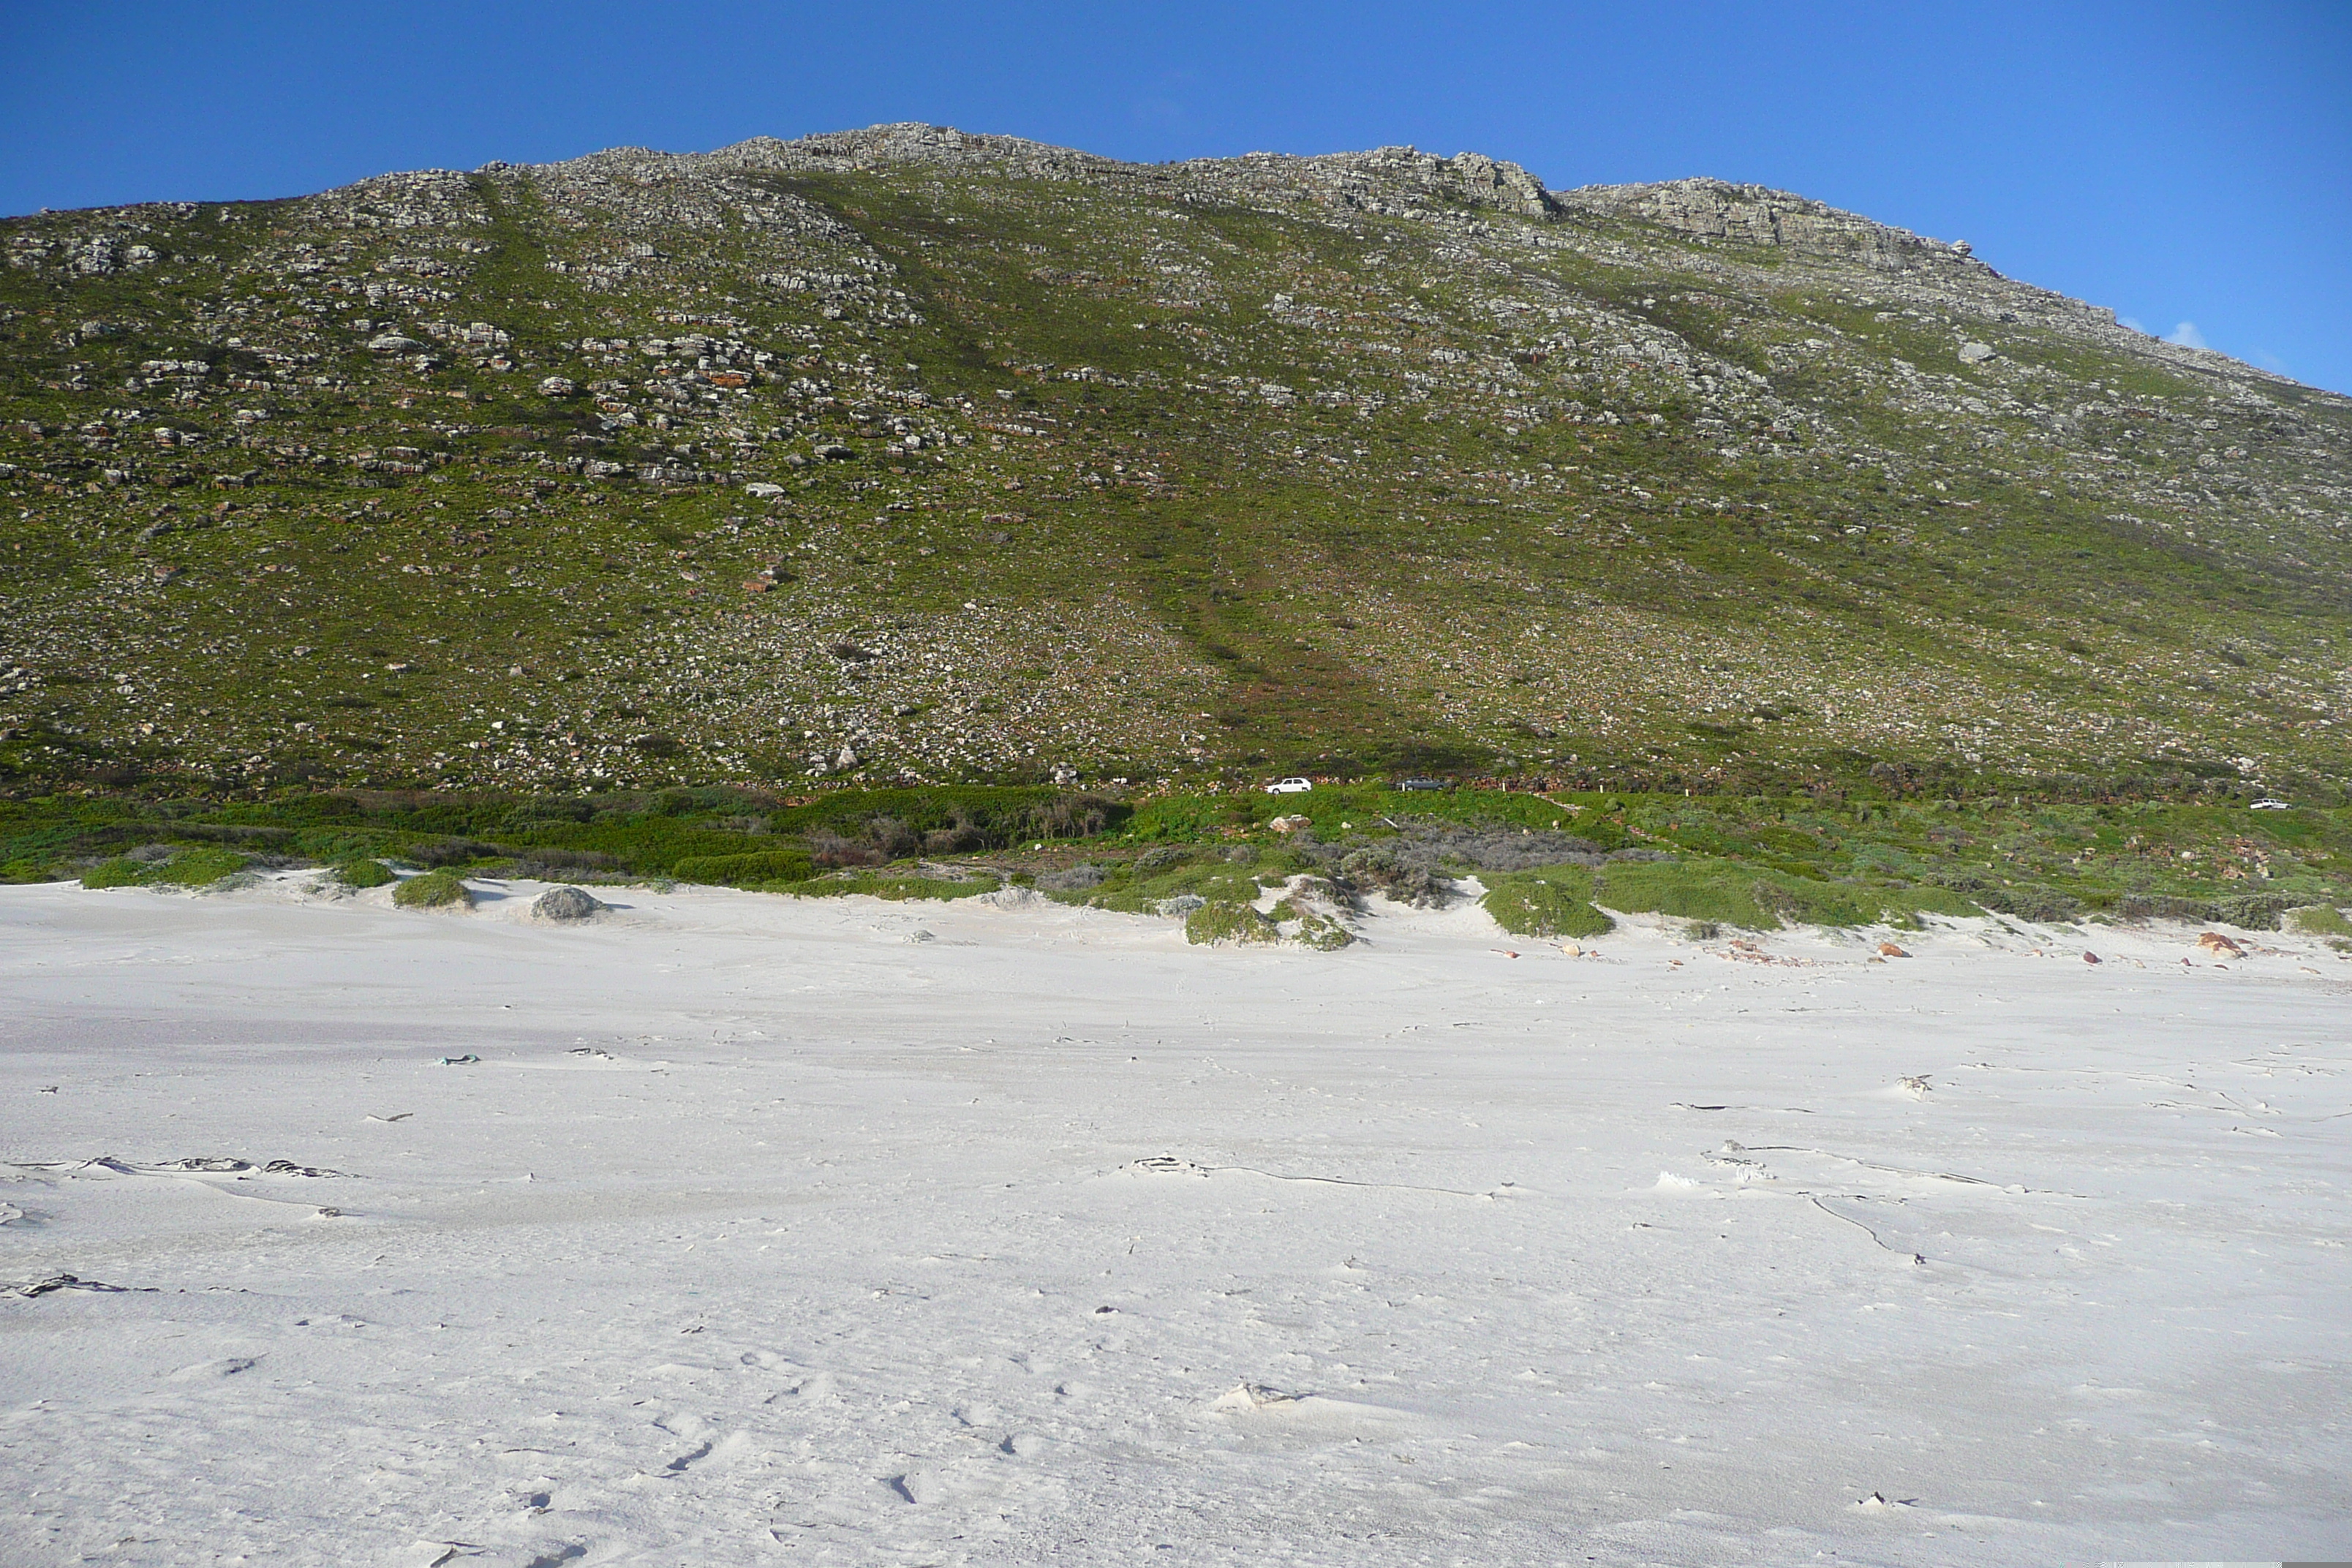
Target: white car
{"points": [[2272, 806], [1289, 786]]}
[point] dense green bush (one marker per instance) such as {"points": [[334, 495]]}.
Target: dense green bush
{"points": [[1553, 901], [2318, 920], [1730, 894], [2145, 907], [2254, 911], [434, 890], [184, 868], [745, 870], [1721, 892], [962, 817], [197, 867], [363, 872], [2047, 905], [1143, 884], [452, 851], [884, 885], [120, 872], [1222, 921]]}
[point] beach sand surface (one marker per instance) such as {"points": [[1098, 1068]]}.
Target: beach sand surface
{"points": [[732, 1229]]}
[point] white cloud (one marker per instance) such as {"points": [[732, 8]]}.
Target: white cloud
{"points": [[2188, 336], [2135, 326]]}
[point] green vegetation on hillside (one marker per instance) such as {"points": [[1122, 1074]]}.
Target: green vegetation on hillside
{"points": [[893, 459]]}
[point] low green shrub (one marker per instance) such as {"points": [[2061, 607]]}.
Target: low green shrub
{"points": [[1226, 921], [957, 818], [1316, 929], [184, 868], [196, 868], [433, 890], [1692, 890], [1552, 901], [2147, 907], [745, 870], [364, 873], [334, 846], [1731, 894], [2254, 911], [1142, 886], [437, 852], [120, 872], [2047, 906], [1401, 877], [2318, 920], [882, 885]]}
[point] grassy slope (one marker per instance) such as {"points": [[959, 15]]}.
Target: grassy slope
{"points": [[1169, 570]]}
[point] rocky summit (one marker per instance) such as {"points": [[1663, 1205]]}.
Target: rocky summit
{"points": [[906, 455]]}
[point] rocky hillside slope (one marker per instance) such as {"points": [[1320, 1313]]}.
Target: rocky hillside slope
{"points": [[908, 455]]}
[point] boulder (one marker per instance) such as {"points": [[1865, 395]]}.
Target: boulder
{"points": [[567, 903]]}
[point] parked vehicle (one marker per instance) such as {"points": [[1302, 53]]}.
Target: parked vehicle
{"points": [[1290, 786], [2272, 806], [1422, 783]]}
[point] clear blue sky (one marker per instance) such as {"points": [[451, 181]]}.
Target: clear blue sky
{"points": [[2181, 164]]}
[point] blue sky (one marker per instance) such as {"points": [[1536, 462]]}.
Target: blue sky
{"points": [[2189, 165]]}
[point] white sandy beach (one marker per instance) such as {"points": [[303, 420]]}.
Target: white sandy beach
{"points": [[773, 1231]]}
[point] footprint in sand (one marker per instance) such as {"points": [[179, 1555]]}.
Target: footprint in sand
{"points": [[1252, 1406], [685, 1460], [930, 1485], [226, 1366]]}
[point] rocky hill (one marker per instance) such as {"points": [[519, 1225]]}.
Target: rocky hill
{"points": [[905, 454]]}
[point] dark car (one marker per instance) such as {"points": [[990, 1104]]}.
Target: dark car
{"points": [[1422, 783]]}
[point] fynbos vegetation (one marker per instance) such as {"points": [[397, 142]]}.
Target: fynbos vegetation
{"points": [[903, 456]]}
